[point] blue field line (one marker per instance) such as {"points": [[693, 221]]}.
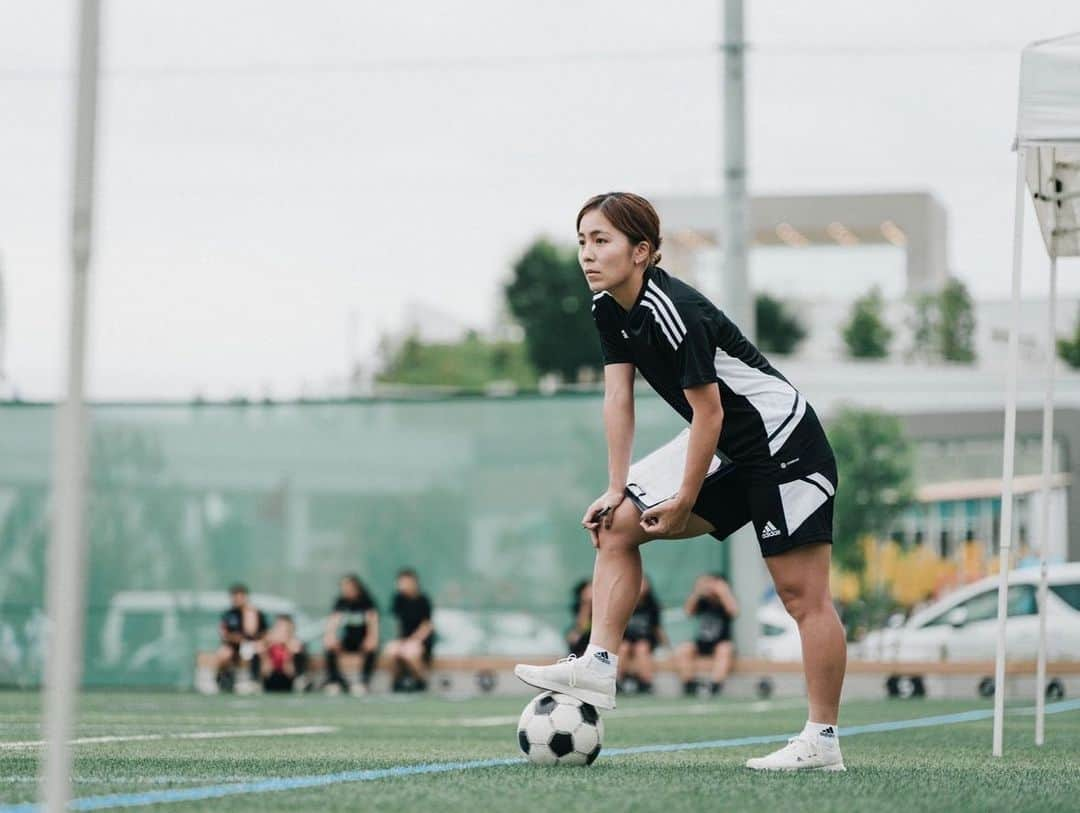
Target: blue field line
{"points": [[121, 800]]}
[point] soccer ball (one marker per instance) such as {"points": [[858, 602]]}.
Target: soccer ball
{"points": [[556, 729]]}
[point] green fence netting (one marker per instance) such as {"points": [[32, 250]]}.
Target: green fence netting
{"points": [[483, 496]]}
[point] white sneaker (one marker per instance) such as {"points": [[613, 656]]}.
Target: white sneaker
{"points": [[247, 687], [802, 754], [586, 679], [358, 690], [332, 689]]}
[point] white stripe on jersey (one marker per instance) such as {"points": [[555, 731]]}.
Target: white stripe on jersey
{"points": [[780, 405], [658, 308], [777, 441], [663, 325], [666, 301]]}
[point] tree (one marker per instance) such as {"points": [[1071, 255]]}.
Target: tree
{"points": [[1069, 349], [943, 325], [957, 323], [551, 302], [866, 334], [469, 364], [875, 465], [778, 330]]}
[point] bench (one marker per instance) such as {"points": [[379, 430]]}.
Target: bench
{"points": [[477, 664]]}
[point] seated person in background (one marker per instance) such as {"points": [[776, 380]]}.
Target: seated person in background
{"points": [[643, 634], [411, 650], [242, 630], [352, 632], [286, 657], [714, 604], [581, 607]]}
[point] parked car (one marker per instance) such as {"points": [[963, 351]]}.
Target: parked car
{"points": [[963, 625], [462, 632], [151, 636], [778, 634]]}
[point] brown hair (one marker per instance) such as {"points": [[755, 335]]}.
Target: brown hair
{"points": [[632, 215]]}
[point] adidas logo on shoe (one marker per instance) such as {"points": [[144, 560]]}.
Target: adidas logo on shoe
{"points": [[828, 732], [769, 531], [603, 657]]}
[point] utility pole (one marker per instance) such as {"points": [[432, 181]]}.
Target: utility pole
{"points": [[734, 232], [733, 297]]}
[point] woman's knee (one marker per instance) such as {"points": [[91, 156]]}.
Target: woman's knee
{"points": [[625, 533], [801, 601]]}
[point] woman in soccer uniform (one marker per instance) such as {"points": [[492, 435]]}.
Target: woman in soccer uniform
{"points": [[353, 629], [784, 478], [243, 628], [712, 602], [411, 651]]}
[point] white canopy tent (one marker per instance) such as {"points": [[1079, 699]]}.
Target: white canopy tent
{"points": [[1048, 165]]}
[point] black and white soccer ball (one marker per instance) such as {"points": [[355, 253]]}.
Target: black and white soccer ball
{"points": [[556, 729]]}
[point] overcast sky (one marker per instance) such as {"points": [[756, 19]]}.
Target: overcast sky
{"points": [[270, 170]]}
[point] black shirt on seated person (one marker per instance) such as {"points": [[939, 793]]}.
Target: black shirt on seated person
{"points": [[353, 620], [411, 612]]}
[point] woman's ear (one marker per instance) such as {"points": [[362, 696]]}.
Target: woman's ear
{"points": [[642, 253]]}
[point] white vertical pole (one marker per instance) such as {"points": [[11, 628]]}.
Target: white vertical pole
{"points": [[67, 548], [1047, 471], [1008, 463]]}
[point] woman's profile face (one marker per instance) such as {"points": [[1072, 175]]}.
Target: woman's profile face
{"points": [[349, 590], [605, 254]]}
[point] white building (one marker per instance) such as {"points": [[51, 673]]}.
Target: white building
{"points": [[954, 413]]}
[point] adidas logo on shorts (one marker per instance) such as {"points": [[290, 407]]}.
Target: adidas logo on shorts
{"points": [[769, 531]]}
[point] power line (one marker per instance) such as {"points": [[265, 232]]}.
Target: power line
{"points": [[503, 63]]}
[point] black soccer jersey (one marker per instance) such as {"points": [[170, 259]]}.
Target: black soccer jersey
{"points": [[678, 340], [411, 612], [714, 621], [233, 621], [354, 618]]}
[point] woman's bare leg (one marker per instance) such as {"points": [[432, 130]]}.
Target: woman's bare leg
{"points": [[802, 581], [617, 572]]}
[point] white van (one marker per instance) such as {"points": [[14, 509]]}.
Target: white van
{"points": [[963, 625], [153, 635]]}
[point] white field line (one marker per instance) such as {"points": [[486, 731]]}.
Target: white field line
{"points": [[191, 735]]}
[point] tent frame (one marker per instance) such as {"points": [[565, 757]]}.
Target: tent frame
{"points": [[1008, 465]]}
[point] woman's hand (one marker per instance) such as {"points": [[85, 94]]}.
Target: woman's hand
{"points": [[602, 511], [667, 518]]}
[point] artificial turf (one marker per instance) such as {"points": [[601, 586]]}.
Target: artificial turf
{"points": [[939, 768]]}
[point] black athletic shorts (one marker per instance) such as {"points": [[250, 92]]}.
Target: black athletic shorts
{"points": [[353, 641], [706, 649], [789, 498], [632, 638]]}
